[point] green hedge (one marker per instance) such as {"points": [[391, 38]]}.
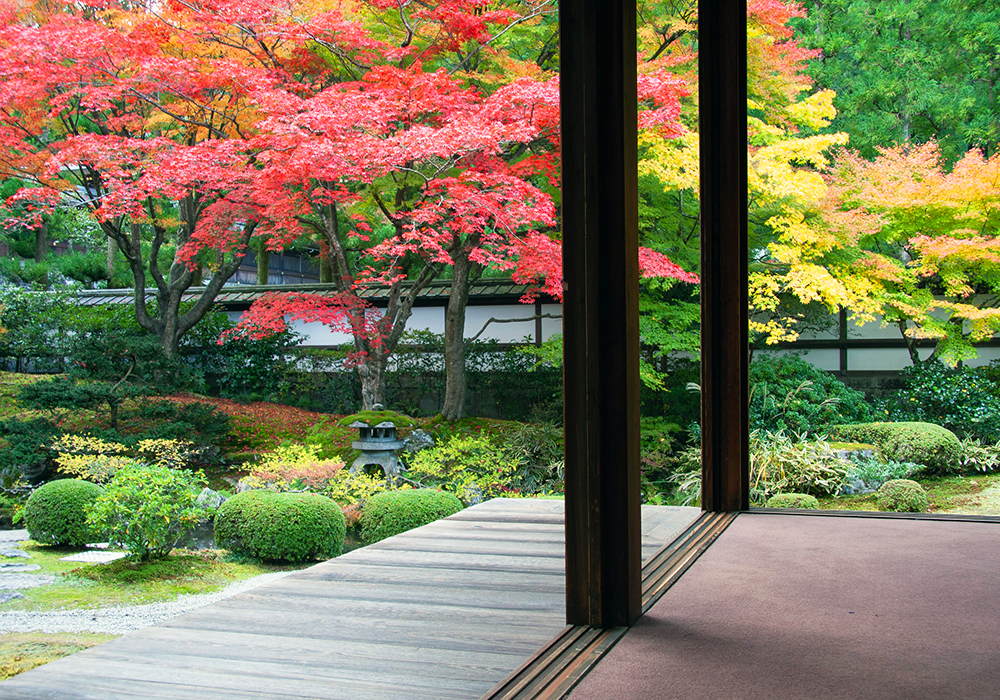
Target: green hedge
{"points": [[937, 448], [281, 526], [792, 500], [392, 512], [56, 512]]}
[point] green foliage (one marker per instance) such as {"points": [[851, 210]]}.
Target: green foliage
{"points": [[538, 450], [35, 329], [960, 399], [390, 513], [902, 496], [281, 526], [788, 393], [908, 70], [56, 513], [473, 468], [937, 448], [780, 465], [242, 368], [977, 457], [792, 500], [148, 509], [200, 422], [873, 472], [22, 446]]}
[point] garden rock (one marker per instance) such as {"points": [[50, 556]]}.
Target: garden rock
{"points": [[17, 581], [14, 554], [209, 499], [6, 596], [201, 537], [418, 440], [17, 567]]}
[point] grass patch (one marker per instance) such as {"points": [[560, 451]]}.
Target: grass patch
{"points": [[125, 582], [23, 651], [11, 384]]}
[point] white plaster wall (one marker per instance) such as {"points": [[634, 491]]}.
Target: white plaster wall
{"points": [[477, 316], [823, 359], [551, 326]]}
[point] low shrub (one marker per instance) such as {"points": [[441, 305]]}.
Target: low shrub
{"points": [[22, 446], [148, 509], [473, 468], [281, 526], [977, 457], [56, 513], [780, 465], [868, 473], [902, 496], [792, 500], [937, 448], [293, 468], [390, 513]]}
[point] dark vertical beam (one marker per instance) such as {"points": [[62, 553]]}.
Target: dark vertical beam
{"points": [[722, 63], [600, 307], [843, 341]]}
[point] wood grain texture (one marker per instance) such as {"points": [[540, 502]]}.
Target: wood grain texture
{"points": [[444, 611]]}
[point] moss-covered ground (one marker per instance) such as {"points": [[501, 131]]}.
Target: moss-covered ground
{"points": [[968, 495], [124, 582], [23, 651]]}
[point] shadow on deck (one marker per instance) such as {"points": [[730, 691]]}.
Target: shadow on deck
{"points": [[443, 611]]}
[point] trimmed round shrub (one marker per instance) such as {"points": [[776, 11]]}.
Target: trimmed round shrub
{"points": [[792, 500], [392, 512], [281, 526], [937, 448], [902, 496], [56, 513]]}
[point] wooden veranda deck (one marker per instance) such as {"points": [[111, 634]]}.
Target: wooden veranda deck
{"points": [[443, 611]]}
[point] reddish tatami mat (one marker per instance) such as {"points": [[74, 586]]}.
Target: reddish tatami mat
{"points": [[796, 607]]}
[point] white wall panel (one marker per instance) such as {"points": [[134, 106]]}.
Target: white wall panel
{"points": [[881, 359], [477, 316], [551, 326], [823, 359]]}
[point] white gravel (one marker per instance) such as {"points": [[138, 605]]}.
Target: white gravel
{"points": [[122, 620]]}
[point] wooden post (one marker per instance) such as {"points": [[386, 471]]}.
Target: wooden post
{"points": [[722, 62], [600, 306]]}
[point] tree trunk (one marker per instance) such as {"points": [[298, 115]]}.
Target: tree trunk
{"points": [[454, 339], [110, 253], [911, 344], [372, 374], [263, 263], [41, 242]]}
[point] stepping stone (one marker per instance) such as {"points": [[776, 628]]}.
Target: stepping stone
{"points": [[14, 553], [10, 582], [95, 557], [10, 567], [9, 595]]}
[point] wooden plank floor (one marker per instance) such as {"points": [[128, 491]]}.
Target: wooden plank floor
{"points": [[443, 611]]}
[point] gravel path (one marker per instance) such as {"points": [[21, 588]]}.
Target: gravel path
{"points": [[122, 620]]}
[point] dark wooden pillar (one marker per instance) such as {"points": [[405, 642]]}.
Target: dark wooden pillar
{"points": [[600, 323], [722, 62]]}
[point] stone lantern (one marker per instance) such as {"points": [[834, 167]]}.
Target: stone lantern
{"points": [[378, 445]]}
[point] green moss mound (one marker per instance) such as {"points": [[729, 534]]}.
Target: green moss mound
{"points": [[937, 448], [392, 512], [902, 496], [281, 526], [56, 513], [792, 500], [373, 418]]}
